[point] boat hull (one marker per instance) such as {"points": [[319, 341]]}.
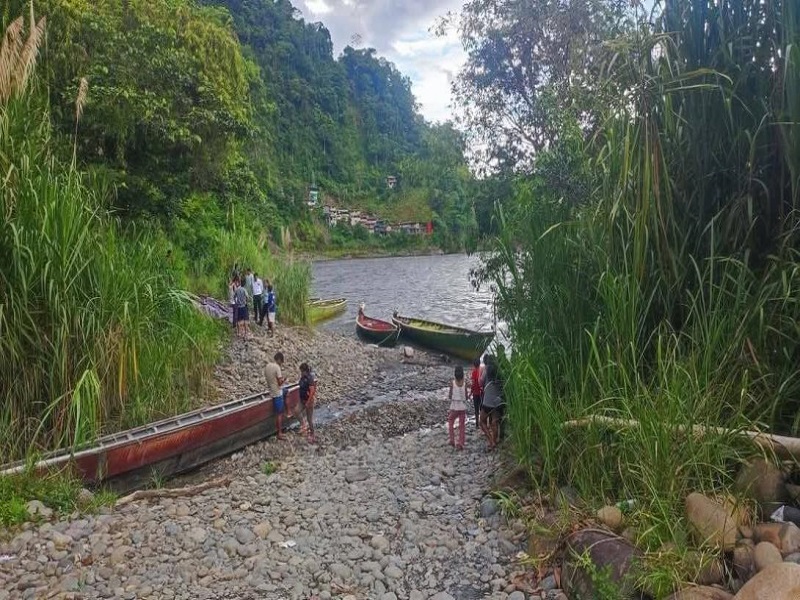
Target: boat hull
{"points": [[172, 446], [321, 310], [385, 337], [461, 343]]}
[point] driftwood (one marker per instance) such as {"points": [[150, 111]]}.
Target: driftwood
{"points": [[191, 490], [783, 446]]}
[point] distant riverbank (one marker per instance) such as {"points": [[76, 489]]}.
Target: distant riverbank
{"points": [[344, 254]]}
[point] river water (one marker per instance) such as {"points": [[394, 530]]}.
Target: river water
{"points": [[432, 287]]}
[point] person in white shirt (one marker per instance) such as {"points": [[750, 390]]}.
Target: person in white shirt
{"points": [[258, 290]]}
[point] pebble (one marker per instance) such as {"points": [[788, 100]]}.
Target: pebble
{"points": [[307, 529]]}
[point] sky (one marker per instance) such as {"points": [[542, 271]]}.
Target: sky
{"points": [[401, 31]]}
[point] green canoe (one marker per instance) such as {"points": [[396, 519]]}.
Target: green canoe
{"points": [[460, 342], [319, 310]]}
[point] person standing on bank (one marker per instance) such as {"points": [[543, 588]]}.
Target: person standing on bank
{"points": [[275, 382], [240, 299], [308, 394], [476, 390], [272, 309], [458, 408], [232, 300], [258, 290], [492, 405], [248, 281]]}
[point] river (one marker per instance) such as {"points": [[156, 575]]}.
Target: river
{"points": [[433, 287]]}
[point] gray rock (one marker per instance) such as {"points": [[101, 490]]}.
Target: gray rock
{"points": [[355, 474], [516, 596], [197, 534], [548, 583], [37, 509], [244, 535], [442, 596], [489, 507], [393, 572]]}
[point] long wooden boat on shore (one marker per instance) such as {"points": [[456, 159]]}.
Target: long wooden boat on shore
{"points": [[382, 333], [128, 459], [458, 341], [320, 310]]}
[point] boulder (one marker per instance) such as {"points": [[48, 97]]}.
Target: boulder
{"points": [[765, 554], [700, 592], [784, 536], [765, 483], [609, 553], [611, 517], [780, 581], [713, 523]]}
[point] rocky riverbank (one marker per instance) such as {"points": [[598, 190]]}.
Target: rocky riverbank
{"points": [[342, 362], [381, 507], [387, 517]]}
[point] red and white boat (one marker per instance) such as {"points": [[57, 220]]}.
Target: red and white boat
{"points": [[127, 459]]}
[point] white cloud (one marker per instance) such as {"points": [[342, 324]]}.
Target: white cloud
{"points": [[318, 7], [400, 30]]}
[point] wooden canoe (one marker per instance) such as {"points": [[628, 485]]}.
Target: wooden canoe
{"points": [[319, 310], [458, 341], [375, 331], [128, 459]]}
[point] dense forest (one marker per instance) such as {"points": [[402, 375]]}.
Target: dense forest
{"points": [[221, 114], [148, 147]]}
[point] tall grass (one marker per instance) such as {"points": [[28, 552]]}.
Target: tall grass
{"points": [[668, 293], [93, 336], [244, 249]]}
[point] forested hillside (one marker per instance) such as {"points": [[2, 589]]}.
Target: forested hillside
{"points": [[220, 114]]}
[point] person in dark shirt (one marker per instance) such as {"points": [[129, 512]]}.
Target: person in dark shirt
{"points": [[492, 404], [308, 394]]}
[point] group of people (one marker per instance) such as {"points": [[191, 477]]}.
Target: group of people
{"points": [[241, 291], [308, 393], [486, 390]]}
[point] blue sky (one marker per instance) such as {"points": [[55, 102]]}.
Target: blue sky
{"points": [[400, 30]]}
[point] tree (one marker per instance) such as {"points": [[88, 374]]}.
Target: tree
{"points": [[527, 60]]}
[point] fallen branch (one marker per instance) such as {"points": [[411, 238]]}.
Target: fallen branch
{"points": [[191, 490], [783, 446]]}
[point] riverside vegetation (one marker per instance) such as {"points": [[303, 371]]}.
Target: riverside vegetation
{"points": [[96, 332], [647, 264], [141, 149]]}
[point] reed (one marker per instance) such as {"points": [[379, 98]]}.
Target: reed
{"points": [[668, 293], [93, 335]]}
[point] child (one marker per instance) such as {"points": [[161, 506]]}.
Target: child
{"points": [[272, 307], [458, 407], [476, 390]]}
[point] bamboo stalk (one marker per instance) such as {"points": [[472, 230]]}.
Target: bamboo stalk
{"points": [[783, 446]]}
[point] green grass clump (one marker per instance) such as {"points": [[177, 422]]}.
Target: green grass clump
{"points": [[269, 467], [58, 491]]}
